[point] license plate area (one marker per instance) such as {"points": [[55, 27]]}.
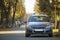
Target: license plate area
{"points": [[39, 30]]}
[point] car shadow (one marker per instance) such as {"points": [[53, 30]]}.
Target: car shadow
{"points": [[39, 36]]}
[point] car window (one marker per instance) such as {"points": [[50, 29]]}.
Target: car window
{"points": [[38, 19]]}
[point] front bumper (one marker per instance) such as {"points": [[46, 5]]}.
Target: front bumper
{"points": [[41, 32]]}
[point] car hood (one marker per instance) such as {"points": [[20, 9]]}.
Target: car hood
{"points": [[38, 23]]}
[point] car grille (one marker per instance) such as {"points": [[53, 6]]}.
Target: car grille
{"points": [[38, 27], [39, 31]]}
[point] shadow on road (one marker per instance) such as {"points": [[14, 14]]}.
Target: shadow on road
{"points": [[36, 36]]}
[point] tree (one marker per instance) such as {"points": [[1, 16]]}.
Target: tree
{"points": [[14, 10], [3, 10], [6, 7], [42, 6], [18, 10], [7, 13]]}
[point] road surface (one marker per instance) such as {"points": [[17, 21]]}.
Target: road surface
{"points": [[19, 34]]}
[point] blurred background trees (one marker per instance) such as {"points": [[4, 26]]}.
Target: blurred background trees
{"points": [[43, 6], [49, 7], [10, 10]]}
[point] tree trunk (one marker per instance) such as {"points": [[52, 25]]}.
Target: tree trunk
{"points": [[7, 15], [2, 11], [14, 12], [1, 18]]}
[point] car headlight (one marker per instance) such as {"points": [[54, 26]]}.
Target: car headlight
{"points": [[48, 27], [29, 27]]}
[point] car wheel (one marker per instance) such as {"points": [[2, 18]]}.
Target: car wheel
{"points": [[50, 35], [27, 34]]}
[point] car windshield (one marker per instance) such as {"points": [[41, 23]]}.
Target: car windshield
{"points": [[38, 19]]}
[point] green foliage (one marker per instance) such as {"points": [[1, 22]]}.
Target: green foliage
{"points": [[44, 4], [43, 7], [20, 11], [9, 7]]}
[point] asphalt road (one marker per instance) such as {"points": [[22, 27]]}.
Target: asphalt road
{"points": [[17, 34], [22, 37]]}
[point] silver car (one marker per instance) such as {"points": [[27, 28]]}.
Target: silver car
{"points": [[38, 24]]}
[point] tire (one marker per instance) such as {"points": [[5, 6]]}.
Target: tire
{"points": [[27, 34], [50, 35]]}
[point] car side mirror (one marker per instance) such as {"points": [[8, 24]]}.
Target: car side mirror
{"points": [[52, 21]]}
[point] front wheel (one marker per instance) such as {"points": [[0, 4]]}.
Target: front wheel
{"points": [[50, 35], [27, 34]]}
